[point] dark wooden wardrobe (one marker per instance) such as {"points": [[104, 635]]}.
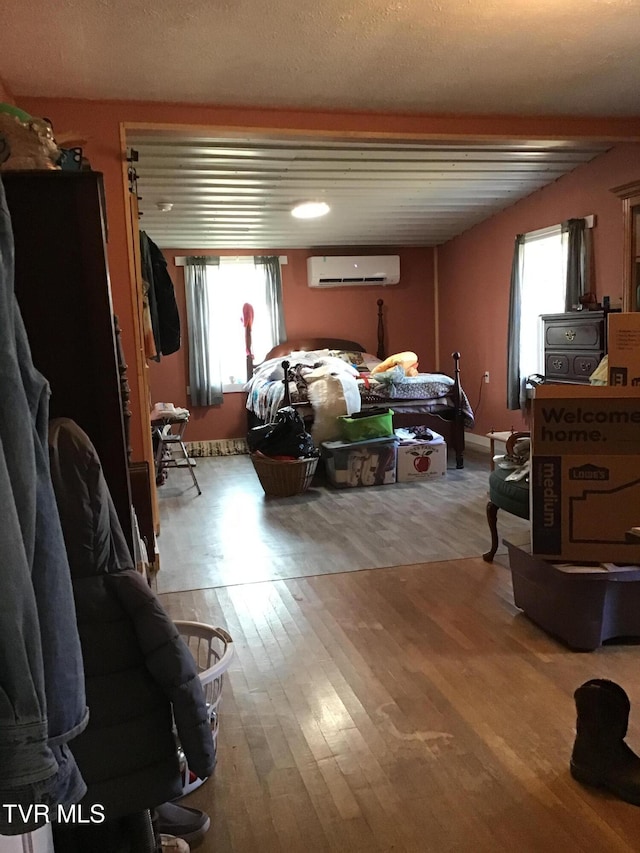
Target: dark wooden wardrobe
{"points": [[62, 286]]}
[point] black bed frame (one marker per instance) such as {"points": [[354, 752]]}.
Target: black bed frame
{"points": [[452, 429]]}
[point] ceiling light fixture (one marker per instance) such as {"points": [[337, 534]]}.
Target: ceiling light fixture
{"points": [[164, 206], [310, 209]]}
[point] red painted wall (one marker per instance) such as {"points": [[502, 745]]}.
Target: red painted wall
{"points": [[5, 95], [475, 270], [349, 312]]}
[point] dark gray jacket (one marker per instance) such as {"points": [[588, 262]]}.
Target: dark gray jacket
{"points": [[138, 670]]}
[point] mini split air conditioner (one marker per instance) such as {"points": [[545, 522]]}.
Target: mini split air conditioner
{"points": [[338, 271]]}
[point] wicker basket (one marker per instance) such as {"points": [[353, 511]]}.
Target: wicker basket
{"points": [[281, 478]]}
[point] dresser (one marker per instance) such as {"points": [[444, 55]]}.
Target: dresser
{"points": [[574, 344]]}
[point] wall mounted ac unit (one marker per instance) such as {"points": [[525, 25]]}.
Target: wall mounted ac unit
{"points": [[340, 271]]}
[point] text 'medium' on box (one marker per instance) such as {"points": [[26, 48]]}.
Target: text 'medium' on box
{"points": [[585, 473]]}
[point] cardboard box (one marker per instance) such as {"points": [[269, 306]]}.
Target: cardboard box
{"points": [[585, 473], [421, 460], [360, 463], [623, 340]]}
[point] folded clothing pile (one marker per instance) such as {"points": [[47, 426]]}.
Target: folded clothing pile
{"points": [[162, 411]]}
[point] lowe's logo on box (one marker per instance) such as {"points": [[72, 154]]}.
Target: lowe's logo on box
{"points": [[592, 473]]}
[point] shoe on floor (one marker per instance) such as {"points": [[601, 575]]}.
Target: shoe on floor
{"points": [[181, 821], [171, 844]]}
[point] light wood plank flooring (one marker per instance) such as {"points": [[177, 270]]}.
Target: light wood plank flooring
{"points": [[373, 705], [402, 709], [232, 533]]}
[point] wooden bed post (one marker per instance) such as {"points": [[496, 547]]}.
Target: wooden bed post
{"points": [[287, 391], [458, 417], [380, 351]]}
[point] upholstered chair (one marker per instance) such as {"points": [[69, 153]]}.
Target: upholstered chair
{"points": [[508, 495]]}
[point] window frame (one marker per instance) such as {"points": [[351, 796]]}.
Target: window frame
{"points": [[181, 261]]}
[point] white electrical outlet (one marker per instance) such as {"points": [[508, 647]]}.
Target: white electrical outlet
{"points": [[485, 376]]}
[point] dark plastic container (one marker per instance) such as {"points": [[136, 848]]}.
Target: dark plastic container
{"points": [[581, 608]]}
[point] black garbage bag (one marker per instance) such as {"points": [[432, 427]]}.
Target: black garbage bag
{"points": [[286, 436]]}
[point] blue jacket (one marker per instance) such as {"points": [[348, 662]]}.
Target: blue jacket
{"points": [[42, 693]]}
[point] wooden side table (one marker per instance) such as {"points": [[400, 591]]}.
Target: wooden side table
{"points": [[497, 436]]}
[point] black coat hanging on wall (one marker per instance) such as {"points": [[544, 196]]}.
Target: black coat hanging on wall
{"points": [[165, 320]]}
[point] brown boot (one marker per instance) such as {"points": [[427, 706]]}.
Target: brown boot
{"points": [[600, 756]]}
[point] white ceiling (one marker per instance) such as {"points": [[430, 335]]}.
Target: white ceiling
{"points": [[548, 57], [239, 192], [478, 57]]}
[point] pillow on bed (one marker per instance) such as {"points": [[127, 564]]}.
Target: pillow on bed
{"points": [[307, 356], [271, 369], [407, 360], [356, 358], [370, 361]]}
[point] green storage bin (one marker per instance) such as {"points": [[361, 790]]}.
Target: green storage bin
{"points": [[361, 429]]}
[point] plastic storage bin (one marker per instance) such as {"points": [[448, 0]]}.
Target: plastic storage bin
{"points": [[364, 428], [212, 650], [361, 463], [582, 606]]}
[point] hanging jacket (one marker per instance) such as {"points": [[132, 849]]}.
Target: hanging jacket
{"points": [[168, 317], [165, 319], [42, 694], [151, 329], [139, 672]]}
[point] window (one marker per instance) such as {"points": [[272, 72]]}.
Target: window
{"points": [[233, 283], [549, 275], [543, 258], [217, 292]]}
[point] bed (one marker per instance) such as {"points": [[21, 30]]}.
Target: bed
{"points": [[433, 401]]}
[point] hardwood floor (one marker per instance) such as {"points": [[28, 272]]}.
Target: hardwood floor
{"points": [[232, 533], [406, 709]]}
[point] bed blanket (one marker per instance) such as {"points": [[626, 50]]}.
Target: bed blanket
{"points": [[426, 392]]}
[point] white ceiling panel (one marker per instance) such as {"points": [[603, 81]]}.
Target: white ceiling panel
{"points": [[234, 193]]}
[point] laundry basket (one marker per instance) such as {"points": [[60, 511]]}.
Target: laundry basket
{"points": [[284, 478], [212, 650]]}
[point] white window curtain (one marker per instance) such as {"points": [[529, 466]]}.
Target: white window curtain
{"points": [[204, 363]]}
